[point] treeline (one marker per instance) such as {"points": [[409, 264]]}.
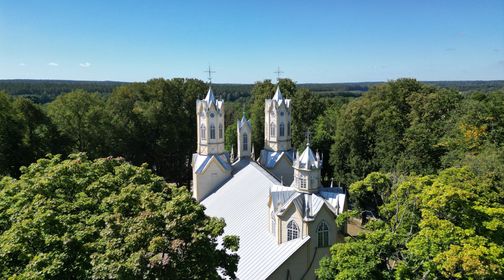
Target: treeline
{"points": [[44, 91]]}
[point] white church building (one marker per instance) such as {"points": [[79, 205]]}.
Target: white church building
{"points": [[277, 206]]}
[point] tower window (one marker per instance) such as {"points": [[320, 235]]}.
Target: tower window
{"points": [[203, 131], [220, 131], [282, 129], [292, 231], [212, 131], [281, 113], [245, 141], [273, 223], [272, 130], [301, 181], [288, 129], [323, 234]]}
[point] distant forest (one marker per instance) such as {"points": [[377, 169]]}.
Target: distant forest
{"points": [[44, 91]]}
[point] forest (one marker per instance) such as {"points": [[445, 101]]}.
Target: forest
{"points": [[88, 170]]}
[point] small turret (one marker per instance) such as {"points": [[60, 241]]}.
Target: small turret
{"points": [[244, 137], [307, 168]]}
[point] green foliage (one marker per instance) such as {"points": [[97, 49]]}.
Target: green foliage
{"points": [[11, 135], [230, 138], [155, 122], [78, 218], [306, 107], [371, 192], [26, 134], [396, 127], [81, 117], [445, 226]]}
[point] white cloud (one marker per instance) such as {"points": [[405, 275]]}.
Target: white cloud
{"points": [[21, 64], [52, 64], [85, 64]]}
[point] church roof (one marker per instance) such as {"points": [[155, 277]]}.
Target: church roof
{"points": [[308, 204], [201, 161], [244, 121], [278, 95], [210, 97], [269, 159], [307, 160], [241, 201]]}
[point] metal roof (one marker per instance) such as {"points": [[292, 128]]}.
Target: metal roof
{"points": [[243, 203], [269, 159], [278, 95], [201, 161], [210, 97], [308, 160], [308, 204]]}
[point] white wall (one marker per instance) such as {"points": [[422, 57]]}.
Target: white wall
{"points": [[208, 181]]}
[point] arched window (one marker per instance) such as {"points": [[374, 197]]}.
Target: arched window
{"points": [[273, 223], [245, 141], [212, 131], [220, 131], [272, 130], [323, 234], [282, 129], [203, 132], [292, 230], [288, 129]]}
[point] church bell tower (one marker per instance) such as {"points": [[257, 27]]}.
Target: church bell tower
{"points": [[210, 122], [277, 123], [211, 163]]}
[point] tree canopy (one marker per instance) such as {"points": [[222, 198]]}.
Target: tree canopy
{"points": [[426, 164], [79, 218], [446, 226]]}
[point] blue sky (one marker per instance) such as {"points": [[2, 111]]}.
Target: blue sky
{"points": [[245, 41]]}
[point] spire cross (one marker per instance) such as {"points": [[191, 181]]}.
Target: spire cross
{"points": [[278, 72], [308, 134], [209, 71]]}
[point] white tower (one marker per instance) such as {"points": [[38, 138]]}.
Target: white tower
{"points": [[211, 164], [244, 135], [210, 120], [278, 155], [277, 123]]}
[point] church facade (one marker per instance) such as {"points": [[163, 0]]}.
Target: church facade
{"points": [[277, 206]]}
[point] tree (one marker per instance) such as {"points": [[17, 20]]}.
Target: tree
{"points": [[306, 108], [155, 123], [105, 218], [397, 127], [40, 134], [445, 226], [11, 136], [81, 117]]}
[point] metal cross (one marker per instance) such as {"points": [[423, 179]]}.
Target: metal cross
{"points": [[278, 72], [209, 71], [308, 134]]}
